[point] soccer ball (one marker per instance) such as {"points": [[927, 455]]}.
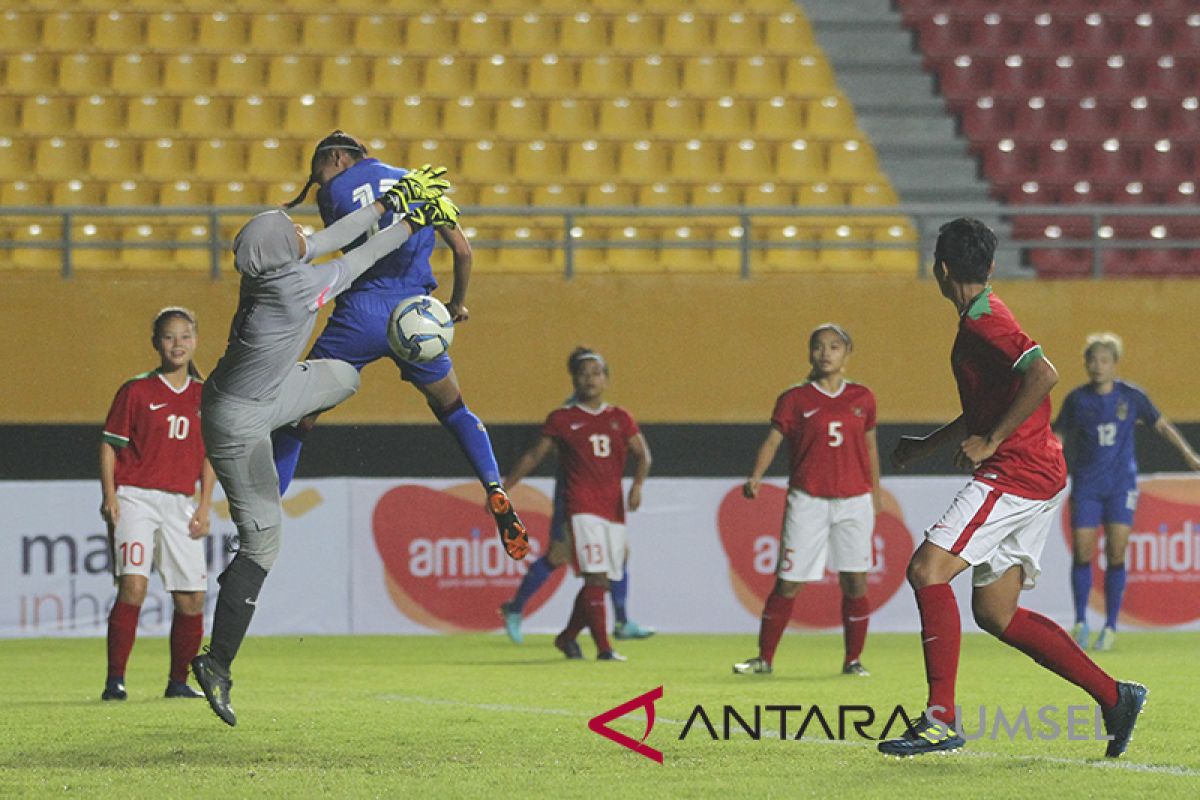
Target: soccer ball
{"points": [[420, 329]]}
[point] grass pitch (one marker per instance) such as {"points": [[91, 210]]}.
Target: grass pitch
{"points": [[475, 716]]}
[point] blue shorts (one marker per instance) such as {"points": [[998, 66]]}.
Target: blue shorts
{"points": [[559, 520], [356, 332], [1088, 511]]}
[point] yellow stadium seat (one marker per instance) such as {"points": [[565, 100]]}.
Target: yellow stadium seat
{"points": [[218, 159], [187, 74], [113, 158], [747, 160], [235, 193], [872, 194], [640, 253], [33, 233], [138, 252], [569, 118], [555, 194], [415, 116], [590, 161], [635, 34], [428, 34], [166, 159], [447, 76], [66, 31], [497, 75], [16, 157], [18, 29], [539, 161], [197, 258], [787, 253], [46, 115], [519, 118], [583, 34], [609, 194], [308, 116], [293, 75], [10, 115], [680, 258], [896, 260], [119, 32], [778, 117], [551, 76], [644, 161], [502, 194], [93, 246], [739, 33], [432, 151], [26, 73], [768, 194], [808, 76], [222, 32], [602, 76], [136, 74], [855, 256], [715, 195], [239, 73], [24, 193], [830, 117], [367, 116], [726, 254], [184, 193], [257, 116], [757, 75], [852, 161], [800, 161], [395, 74], [326, 33], [587, 243], [820, 193], [675, 116], [343, 73], [706, 76], [378, 34], [787, 31], [464, 195], [621, 118], [84, 73], [270, 159], [687, 33], [130, 193], [654, 75], [170, 31], [485, 160], [97, 115], [662, 194], [467, 117], [726, 117], [274, 33], [480, 34], [532, 34]]}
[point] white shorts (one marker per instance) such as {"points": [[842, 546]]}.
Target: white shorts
{"points": [[599, 545], [152, 532], [993, 531], [820, 529]]}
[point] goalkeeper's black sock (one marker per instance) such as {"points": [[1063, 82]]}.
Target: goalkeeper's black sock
{"points": [[240, 584]]}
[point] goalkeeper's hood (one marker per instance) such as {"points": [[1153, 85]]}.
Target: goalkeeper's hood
{"points": [[265, 243]]}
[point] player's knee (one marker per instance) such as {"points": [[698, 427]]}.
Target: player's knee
{"points": [[346, 376], [261, 545], [787, 589], [596, 579], [991, 619], [919, 573], [131, 590]]}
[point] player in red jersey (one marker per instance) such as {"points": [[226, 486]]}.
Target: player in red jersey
{"points": [[150, 459], [593, 440], [833, 495], [998, 523]]}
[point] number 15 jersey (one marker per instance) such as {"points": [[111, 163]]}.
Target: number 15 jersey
{"points": [[827, 438], [592, 446]]}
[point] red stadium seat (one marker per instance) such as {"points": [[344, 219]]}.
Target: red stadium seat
{"points": [[941, 35], [1042, 36], [1005, 164], [986, 119], [1061, 263], [1170, 76], [1140, 119], [1039, 118], [1057, 161], [1017, 76], [1066, 76], [963, 78], [1093, 33], [1117, 77]]}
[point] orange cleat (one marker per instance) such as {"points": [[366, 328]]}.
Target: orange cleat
{"points": [[512, 531]]}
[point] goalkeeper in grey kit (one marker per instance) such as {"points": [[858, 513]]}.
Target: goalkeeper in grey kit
{"points": [[259, 385]]}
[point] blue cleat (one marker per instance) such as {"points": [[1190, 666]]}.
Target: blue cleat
{"points": [[1106, 640], [1120, 719], [927, 736], [512, 623], [631, 630], [1080, 634]]}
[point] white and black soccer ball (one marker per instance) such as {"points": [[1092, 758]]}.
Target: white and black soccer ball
{"points": [[420, 329]]}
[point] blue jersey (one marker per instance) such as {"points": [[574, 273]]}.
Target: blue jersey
{"points": [[1099, 431], [402, 272]]}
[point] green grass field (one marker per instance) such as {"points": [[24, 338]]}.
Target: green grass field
{"points": [[475, 716]]}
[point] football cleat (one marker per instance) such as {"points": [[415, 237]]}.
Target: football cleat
{"points": [[216, 684], [752, 666], [114, 689], [927, 736], [512, 531], [569, 647], [610, 655], [180, 689], [1080, 634], [631, 630], [1120, 719], [1106, 640], [855, 667], [512, 622]]}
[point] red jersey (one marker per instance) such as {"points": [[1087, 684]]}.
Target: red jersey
{"points": [[991, 354], [827, 438], [156, 430], [592, 446]]}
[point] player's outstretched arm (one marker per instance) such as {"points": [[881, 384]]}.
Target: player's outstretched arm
{"points": [[1171, 434], [640, 451], [911, 449], [1040, 378], [762, 462], [456, 240], [529, 461], [344, 231]]}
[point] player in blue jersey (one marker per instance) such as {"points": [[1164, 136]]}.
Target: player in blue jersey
{"points": [[1096, 423], [356, 331]]}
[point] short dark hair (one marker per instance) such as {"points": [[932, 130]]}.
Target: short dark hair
{"points": [[967, 247]]}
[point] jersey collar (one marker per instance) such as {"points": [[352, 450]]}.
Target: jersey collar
{"points": [[167, 383], [838, 393], [980, 304], [594, 412]]}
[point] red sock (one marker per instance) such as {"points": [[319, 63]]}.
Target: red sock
{"points": [[1043, 640], [186, 632], [594, 610], [941, 636], [775, 617], [122, 630], [855, 618], [578, 616]]}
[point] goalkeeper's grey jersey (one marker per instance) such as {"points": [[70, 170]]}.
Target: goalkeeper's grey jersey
{"points": [[281, 292]]}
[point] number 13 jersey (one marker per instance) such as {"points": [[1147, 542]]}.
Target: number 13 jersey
{"points": [[827, 438], [592, 445]]}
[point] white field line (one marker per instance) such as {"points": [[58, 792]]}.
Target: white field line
{"points": [[505, 708]]}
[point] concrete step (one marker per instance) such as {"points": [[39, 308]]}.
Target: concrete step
{"points": [[825, 11]]}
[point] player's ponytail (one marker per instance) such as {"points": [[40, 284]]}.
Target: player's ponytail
{"points": [[338, 140], [814, 338], [176, 312]]}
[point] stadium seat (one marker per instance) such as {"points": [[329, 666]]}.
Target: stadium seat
{"points": [[275, 33], [254, 115], [19, 29], [688, 33], [608, 194], [768, 194], [539, 160], [583, 34], [532, 34], [727, 117], [186, 73], [502, 194], [343, 73], [601, 76], [756, 75], [675, 116], [308, 116], [706, 76], [97, 115], [428, 34], [136, 74], [590, 161], [10, 116], [30, 73], [497, 75], [715, 195], [480, 34], [866, 195], [904, 261], [93, 246], [747, 160], [292, 75], [684, 259], [787, 251], [1037, 118], [378, 34], [551, 76], [830, 116], [113, 158], [271, 158], [644, 161], [555, 194], [519, 118], [43, 114], [183, 193], [166, 159], [40, 258], [699, 160], [485, 160], [24, 193], [366, 115], [238, 73], [327, 33], [218, 159], [635, 33], [84, 73], [778, 117], [809, 76], [133, 256], [16, 157], [787, 31], [467, 117], [621, 117], [846, 248], [235, 193], [396, 74], [66, 31], [738, 32], [661, 194], [800, 161], [820, 193], [570, 119], [447, 76], [654, 75], [169, 30], [222, 32]]}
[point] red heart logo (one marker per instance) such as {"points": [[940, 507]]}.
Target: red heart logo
{"points": [[444, 564], [749, 531], [1162, 564]]}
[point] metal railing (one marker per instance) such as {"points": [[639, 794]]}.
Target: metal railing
{"points": [[747, 224]]}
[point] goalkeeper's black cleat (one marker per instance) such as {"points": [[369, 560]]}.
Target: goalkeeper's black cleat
{"points": [[216, 683], [512, 531], [1120, 719], [927, 736]]}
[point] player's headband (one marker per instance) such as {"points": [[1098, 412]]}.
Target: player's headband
{"points": [[338, 140], [579, 359]]}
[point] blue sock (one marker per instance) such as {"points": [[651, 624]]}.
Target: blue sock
{"points": [[285, 448], [619, 591], [1081, 587], [1114, 591], [473, 438], [532, 581]]}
